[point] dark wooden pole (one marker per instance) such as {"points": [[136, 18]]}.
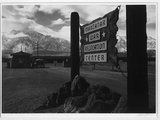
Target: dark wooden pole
{"points": [[137, 85], [75, 62]]}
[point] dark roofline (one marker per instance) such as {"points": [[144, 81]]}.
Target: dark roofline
{"points": [[20, 53]]}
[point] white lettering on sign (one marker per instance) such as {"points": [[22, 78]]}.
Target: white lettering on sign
{"points": [[96, 25], [97, 57], [94, 36], [95, 46]]}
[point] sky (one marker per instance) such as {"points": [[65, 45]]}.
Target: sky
{"points": [[54, 20]]}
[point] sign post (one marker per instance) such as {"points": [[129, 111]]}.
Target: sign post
{"points": [[137, 84], [75, 62]]}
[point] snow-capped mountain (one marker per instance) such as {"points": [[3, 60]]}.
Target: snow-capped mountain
{"points": [[122, 44], [151, 43], [29, 40]]}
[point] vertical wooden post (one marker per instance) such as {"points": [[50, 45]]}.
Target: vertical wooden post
{"points": [[137, 85], [75, 62]]}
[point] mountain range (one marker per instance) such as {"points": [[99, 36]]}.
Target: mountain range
{"points": [[122, 43], [29, 40]]}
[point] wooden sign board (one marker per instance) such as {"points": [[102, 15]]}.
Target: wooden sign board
{"points": [[98, 38], [96, 57]]}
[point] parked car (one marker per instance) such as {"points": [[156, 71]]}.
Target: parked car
{"points": [[38, 63]]}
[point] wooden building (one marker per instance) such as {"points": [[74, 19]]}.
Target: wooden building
{"points": [[21, 60]]}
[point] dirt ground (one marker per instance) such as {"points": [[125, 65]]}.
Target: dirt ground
{"points": [[23, 90]]}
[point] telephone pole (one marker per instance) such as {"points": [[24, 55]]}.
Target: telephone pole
{"points": [[37, 48]]}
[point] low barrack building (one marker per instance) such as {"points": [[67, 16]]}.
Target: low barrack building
{"points": [[21, 60]]}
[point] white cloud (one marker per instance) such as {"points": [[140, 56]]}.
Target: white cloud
{"points": [[17, 35], [8, 25], [151, 32], [58, 22], [92, 12], [26, 10], [13, 18], [64, 10], [12, 23], [49, 9], [151, 14], [24, 24], [42, 29], [121, 32], [64, 33], [87, 13]]}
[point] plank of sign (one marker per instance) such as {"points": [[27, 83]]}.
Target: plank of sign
{"points": [[96, 57], [95, 36], [96, 25], [98, 46]]}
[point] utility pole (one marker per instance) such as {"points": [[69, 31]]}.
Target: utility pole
{"points": [[75, 62], [37, 48], [137, 84], [21, 47]]}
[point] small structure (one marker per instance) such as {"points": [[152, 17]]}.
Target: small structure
{"points": [[21, 60], [38, 63]]}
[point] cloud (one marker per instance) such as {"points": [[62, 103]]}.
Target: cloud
{"points": [[16, 35], [58, 22], [121, 23], [151, 25], [17, 18], [121, 32], [64, 10], [42, 29], [48, 8], [151, 32], [64, 33], [151, 18], [12, 22], [3, 17], [26, 10], [151, 21], [21, 24], [19, 11], [89, 13]]}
